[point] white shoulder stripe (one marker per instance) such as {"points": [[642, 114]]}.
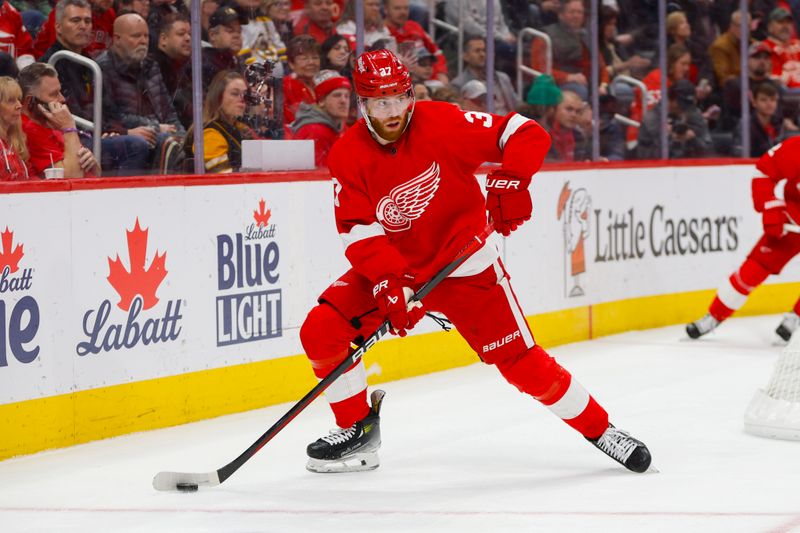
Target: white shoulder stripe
{"points": [[512, 126], [361, 232]]}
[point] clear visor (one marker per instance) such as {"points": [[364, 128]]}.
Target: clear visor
{"points": [[388, 106]]}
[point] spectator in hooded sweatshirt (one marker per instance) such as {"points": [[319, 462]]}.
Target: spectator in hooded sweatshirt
{"points": [[324, 122]]}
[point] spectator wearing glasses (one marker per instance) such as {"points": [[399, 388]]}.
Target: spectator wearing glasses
{"points": [[223, 130], [13, 150]]}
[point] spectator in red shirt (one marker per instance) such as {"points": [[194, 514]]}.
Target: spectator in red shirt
{"points": [[103, 16], [52, 136], [316, 20], [14, 38], [13, 151], [304, 60], [324, 122], [405, 30], [785, 49]]}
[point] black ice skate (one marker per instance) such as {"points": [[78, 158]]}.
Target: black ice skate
{"points": [[698, 328], [627, 451], [788, 325], [354, 449]]}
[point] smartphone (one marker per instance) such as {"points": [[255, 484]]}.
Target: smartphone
{"points": [[33, 107]]}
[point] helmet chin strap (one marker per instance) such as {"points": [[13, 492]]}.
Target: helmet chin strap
{"points": [[362, 107]]}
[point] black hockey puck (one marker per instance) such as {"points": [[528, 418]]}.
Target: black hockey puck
{"points": [[186, 487]]}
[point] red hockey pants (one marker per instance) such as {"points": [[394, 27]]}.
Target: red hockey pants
{"points": [[485, 311]]}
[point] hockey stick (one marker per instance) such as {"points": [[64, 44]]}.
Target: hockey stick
{"points": [[178, 481]]}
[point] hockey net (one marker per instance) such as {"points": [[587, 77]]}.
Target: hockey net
{"points": [[774, 411]]}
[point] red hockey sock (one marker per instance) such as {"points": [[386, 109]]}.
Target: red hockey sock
{"points": [[536, 373], [733, 294], [326, 336]]}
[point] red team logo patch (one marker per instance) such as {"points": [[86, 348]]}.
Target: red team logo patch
{"points": [[408, 201]]}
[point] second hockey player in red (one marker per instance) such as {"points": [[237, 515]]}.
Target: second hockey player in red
{"points": [[406, 201]]}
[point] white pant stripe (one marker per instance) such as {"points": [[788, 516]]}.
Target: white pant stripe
{"points": [[572, 403], [729, 296], [519, 317], [348, 384]]}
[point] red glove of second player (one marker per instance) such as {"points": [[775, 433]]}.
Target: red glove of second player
{"points": [[507, 200], [392, 295]]}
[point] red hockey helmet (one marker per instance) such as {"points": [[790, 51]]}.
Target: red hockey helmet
{"points": [[379, 73]]}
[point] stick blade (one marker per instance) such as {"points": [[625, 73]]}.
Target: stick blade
{"points": [[168, 481]]}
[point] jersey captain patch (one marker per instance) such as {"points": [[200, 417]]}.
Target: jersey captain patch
{"points": [[408, 201]]}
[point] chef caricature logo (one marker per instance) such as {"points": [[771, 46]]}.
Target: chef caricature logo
{"points": [[573, 211]]}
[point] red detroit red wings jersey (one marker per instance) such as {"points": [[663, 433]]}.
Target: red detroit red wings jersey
{"points": [[782, 162], [412, 205]]}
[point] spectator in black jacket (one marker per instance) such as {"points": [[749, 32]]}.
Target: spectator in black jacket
{"points": [[135, 98], [768, 127], [172, 56]]}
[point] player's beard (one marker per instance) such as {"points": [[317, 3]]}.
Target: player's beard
{"points": [[394, 134]]}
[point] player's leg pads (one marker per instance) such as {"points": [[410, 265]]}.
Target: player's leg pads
{"points": [[788, 326], [627, 451], [698, 328], [353, 449]]}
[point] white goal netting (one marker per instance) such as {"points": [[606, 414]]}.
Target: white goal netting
{"points": [[774, 411]]}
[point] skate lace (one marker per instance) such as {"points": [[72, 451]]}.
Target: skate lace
{"points": [[339, 435], [617, 443]]}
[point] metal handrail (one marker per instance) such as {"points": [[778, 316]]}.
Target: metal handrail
{"points": [[548, 46], [636, 83], [437, 23], [96, 124]]}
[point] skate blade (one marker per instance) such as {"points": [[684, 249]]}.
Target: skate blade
{"points": [[359, 462]]}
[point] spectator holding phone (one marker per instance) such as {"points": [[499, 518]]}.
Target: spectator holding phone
{"points": [[49, 126], [13, 151]]}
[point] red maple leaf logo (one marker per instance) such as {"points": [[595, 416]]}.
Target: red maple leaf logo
{"points": [[138, 280], [261, 216], [7, 257]]}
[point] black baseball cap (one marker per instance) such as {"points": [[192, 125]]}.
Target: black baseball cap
{"points": [[224, 16], [682, 91]]}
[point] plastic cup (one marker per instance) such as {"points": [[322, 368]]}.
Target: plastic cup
{"points": [[54, 173]]}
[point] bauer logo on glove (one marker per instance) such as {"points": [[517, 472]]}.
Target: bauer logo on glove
{"points": [[507, 200]]}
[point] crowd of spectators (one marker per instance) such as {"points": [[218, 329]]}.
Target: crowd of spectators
{"points": [[282, 69]]}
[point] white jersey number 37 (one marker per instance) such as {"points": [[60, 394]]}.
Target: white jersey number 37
{"points": [[485, 119]]}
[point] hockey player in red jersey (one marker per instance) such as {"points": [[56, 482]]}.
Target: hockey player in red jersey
{"points": [[777, 198], [406, 201]]}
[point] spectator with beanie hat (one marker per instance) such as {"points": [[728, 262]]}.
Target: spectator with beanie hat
{"points": [[324, 122]]}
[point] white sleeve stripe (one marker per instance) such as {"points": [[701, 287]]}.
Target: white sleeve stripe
{"points": [[361, 232], [512, 126]]}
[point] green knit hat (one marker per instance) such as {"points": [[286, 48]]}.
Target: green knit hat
{"points": [[544, 91]]}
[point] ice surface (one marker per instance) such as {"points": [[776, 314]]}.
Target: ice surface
{"points": [[462, 451]]}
